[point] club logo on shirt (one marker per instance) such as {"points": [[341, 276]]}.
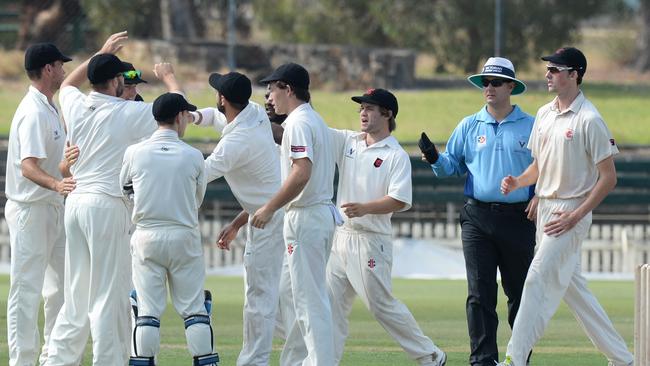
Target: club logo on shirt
{"points": [[378, 162], [290, 248], [371, 263], [612, 142], [295, 148], [349, 153], [164, 148], [57, 135], [568, 134], [522, 144], [481, 140]]}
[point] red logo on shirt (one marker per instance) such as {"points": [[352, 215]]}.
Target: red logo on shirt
{"points": [[612, 142], [298, 148], [371, 263], [568, 134], [290, 249], [378, 162]]}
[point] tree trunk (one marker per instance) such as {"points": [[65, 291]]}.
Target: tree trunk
{"points": [[643, 43], [177, 20], [45, 21]]}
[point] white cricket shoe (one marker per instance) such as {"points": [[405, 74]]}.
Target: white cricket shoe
{"points": [[435, 359]]}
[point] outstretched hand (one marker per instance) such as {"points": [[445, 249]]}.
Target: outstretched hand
{"points": [[114, 43]]}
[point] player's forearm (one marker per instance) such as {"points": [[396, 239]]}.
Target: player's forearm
{"points": [[384, 205], [172, 85], [240, 220], [605, 184], [77, 77], [33, 172], [529, 176], [64, 168], [293, 185]]}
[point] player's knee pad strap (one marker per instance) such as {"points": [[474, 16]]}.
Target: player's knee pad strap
{"points": [[196, 319], [143, 321], [141, 361], [147, 321], [206, 360]]}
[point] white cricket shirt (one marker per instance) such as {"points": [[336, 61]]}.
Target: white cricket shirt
{"points": [[368, 173], [247, 157], [567, 146], [103, 126], [168, 181], [307, 136], [36, 132]]}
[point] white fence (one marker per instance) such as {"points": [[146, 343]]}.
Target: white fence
{"points": [[610, 248]]}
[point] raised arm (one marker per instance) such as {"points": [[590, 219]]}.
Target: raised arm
{"points": [[79, 75]]}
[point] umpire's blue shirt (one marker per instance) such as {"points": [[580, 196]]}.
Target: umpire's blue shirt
{"points": [[488, 151]]}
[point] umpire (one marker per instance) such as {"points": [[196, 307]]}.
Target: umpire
{"points": [[497, 231]]}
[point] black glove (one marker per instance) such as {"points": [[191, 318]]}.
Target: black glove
{"points": [[428, 149]]}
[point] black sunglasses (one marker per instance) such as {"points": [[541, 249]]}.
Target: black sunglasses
{"points": [[494, 82]]}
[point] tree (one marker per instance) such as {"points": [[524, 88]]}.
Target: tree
{"points": [[459, 32], [45, 21], [643, 42]]}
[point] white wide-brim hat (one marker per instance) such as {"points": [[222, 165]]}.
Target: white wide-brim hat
{"points": [[498, 67]]}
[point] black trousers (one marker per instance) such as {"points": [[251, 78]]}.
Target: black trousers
{"points": [[493, 237]]}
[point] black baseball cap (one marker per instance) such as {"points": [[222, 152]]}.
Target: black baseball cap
{"points": [[569, 56], [105, 66], [136, 79], [41, 54], [380, 97], [291, 73], [168, 105], [235, 87]]}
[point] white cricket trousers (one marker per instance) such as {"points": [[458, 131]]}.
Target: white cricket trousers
{"points": [[263, 257], [175, 255], [97, 281], [554, 275], [361, 264], [37, 242], [308, 237]]}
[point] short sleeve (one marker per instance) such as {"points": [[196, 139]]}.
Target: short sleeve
{"points": [[338, 138], [533, 144], [599, 142], [31, 137], [225, 157], [400, 186], [298, 136], [70, 98]]}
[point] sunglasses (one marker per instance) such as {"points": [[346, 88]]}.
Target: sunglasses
{"points": [[556, 69], [132, 74], [494, 82]]}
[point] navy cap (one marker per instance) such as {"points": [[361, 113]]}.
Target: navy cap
{"points": [[380, 97], [41, 54], [105, 66], [569, 56], [136, 79], [291, 73], [235, 87], [168, 105]]}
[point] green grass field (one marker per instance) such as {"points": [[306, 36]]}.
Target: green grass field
{"points": [[435, 111], [438, 306]]}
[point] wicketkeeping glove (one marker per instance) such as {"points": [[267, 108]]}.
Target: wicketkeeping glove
{"points": [[428, 149]]}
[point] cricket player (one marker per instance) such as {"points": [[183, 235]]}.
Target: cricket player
{"points": [[574, 170], [374, 182], [307, 166], [247, 157], [498, 232], [132, 77], [34, 210], [166, 244], [97, 223]]}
